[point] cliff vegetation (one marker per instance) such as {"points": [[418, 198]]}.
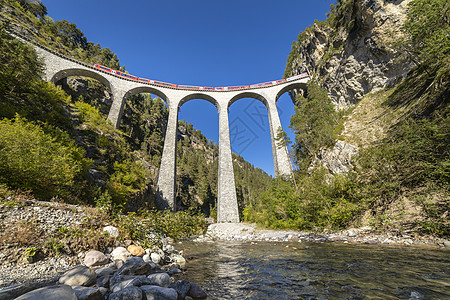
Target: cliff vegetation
{"points": [[56, 143], [399, 179]]}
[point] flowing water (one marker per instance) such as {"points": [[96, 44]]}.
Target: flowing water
{"points": [[265, 270]]}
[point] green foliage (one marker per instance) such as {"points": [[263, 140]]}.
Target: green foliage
{"points": [[31, 159], [314, 123], [128, 178], [318, 204], [427, 32], [148, 226], [61, 36], [415, 153]]}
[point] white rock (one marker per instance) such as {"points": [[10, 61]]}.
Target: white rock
{"points": [[113, 231], [155, 257], [120, 253], [146, 258], [95, 258]]}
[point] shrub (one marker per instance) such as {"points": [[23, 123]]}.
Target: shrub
{"points": [[31, 159]]}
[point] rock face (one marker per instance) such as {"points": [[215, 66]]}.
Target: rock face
{"points": [[356, 57], [336, 160]]}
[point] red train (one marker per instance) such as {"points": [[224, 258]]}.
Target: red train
{"points": [[197, 88]]}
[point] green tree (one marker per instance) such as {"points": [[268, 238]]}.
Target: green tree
{"points": [[314, 122], [428, 32]]}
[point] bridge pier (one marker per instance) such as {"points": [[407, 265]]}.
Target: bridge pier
{"points": [[166, 192], [227, 207], [281, 161], [116, 110]]}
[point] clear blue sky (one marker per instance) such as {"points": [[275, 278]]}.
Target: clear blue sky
{"points": [[207, 43]]}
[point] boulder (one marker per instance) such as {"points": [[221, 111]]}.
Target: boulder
{"points": [[136, 250], [134, 266], [103, 281], [104, 271], [60, 292], [181, 287], [196, 292], [80, 275], [134, 281], [120, 253], [159, 293], [178, 259], [160, 279], [87, 293], [95, 258], [128, 293], [156, 258]]}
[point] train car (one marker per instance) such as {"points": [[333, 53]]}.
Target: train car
{"points": [[190, 87], [103, 68], [298, 76], [144, 80], [221, 88], [207, 88], [280, 81], [161, 83], [127, 76], [240, 87], [262, 84]]}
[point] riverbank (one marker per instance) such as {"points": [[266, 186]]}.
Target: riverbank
{"points": [[31, 224], [364, 235]]}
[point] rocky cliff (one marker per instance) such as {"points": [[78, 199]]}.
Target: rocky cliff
{"points": [[351, 53]]}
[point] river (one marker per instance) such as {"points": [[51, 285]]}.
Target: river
{"points": [[267, 270]]}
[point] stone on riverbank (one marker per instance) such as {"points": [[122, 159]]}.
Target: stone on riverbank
{"points": [[120, 253], [134, 266], [80, 275], [182, 287], [128, 293], [136, 250], [88, 293], [160, 279], [159, 293], [60, 292], [196, 292], [95, 258]]}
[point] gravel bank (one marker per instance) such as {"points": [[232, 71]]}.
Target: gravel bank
{"points": [[250, 232]]}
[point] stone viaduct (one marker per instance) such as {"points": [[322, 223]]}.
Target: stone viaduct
{"points": [[58, 67]]}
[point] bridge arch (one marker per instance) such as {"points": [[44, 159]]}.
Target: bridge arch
{"points": [[290, 87], [80, 72], [148, 90], [200, 96], [248, 94]]}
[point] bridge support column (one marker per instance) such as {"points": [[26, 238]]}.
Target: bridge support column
{"points": [[281, 161], [166, 193], [227, 207], [116, 110]]}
